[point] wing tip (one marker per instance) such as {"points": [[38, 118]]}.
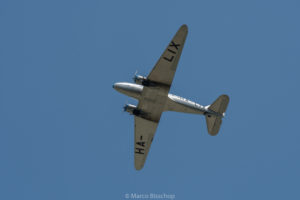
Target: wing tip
{"points": [[225, 96], [184, 27], [139, 167]]}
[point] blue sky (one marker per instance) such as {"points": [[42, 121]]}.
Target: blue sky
{"points": [[63, 134]]}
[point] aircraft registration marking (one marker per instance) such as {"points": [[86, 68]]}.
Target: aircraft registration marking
{"points": [[140, 150], [172, 45]]}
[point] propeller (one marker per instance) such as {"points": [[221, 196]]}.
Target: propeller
{"points": [[124, 107], [134, 77]]}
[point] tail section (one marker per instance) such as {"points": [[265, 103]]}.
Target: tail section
{"points": [[216, 112]]}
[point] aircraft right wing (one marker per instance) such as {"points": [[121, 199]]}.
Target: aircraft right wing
{"points": [[165, 68]]}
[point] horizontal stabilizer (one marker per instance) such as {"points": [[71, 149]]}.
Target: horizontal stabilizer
{"points": [[219, 107], [213, 124]]}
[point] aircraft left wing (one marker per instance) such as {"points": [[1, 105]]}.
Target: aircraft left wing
{"points": [[165, 68], [144, 134], [152, 104]]}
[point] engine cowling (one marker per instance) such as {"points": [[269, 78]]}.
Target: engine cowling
{"points": [[132, 109], [142, 80], [138, 79]]}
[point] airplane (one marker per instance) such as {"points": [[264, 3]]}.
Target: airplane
{"points": [[154, 98]]}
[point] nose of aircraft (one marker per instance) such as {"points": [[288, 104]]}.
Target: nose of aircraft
{"points": [[117, 86]]}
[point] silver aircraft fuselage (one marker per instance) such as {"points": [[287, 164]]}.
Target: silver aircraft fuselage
{"points": [[172, 103]]}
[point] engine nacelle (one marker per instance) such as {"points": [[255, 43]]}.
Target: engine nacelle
{"points": [[142, 80], [138, 79], [132, 109]]}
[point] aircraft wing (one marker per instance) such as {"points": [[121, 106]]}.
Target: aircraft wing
{"points": [[153, 99], [152, 103], [165, 68], [144, 133]]}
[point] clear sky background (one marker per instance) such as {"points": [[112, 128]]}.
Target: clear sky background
{"points": [[63, 134]]}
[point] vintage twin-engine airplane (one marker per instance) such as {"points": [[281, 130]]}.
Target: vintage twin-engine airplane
{"points": [[154, 98]]}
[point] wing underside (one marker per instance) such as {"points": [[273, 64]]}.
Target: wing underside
{"points": [[165, 68], [153, 99], [152, 104], [144, 134]]}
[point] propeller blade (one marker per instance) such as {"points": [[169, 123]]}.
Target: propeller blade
{"points": [[134, 77], [124, 107]]}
